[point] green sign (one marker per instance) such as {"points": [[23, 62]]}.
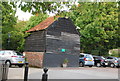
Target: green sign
{"points": [[63, 50]]}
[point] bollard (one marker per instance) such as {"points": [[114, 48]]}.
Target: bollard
{"points": [[45, 75], [4, 69], [4, 72], [26, 71]]}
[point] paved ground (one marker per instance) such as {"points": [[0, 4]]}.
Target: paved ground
{"points": [[66, 73]]}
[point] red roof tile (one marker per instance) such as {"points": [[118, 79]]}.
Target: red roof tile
{"points": [[43, 25]]}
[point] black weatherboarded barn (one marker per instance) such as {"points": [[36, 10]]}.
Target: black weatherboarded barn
{"points": [[52, 41]]}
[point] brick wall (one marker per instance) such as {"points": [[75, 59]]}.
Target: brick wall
{"points": [[34, 58]]}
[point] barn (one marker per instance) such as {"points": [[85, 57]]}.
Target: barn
{"points": [[51, 42]]}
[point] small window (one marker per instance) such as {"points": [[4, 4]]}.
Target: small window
{"points": [[81, 56], [18, 53], [109, 58], [88, 56]]}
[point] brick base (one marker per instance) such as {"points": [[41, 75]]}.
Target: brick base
{"points": [[34, 58]]}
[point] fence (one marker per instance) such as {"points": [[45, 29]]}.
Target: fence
{"points": [[3, 70]]}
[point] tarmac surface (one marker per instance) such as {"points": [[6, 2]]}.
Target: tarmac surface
{"points": [[66, 73]]}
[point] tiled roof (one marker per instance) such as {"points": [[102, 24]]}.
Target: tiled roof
{"points": [[43, 25]]}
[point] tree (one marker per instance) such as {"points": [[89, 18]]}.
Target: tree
{"points": [[8, 17], [41, 7], [98, 24], [35, 20], [18, 36], [16, 39], [8, 21]]}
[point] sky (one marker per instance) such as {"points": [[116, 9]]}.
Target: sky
{"points": [[23, 15]]}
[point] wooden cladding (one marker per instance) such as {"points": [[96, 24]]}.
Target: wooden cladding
{"points": [[36, 41]]}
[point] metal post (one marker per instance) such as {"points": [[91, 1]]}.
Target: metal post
{"points": [[3, 72], [5, 68], [26, 71], [45, 75]]}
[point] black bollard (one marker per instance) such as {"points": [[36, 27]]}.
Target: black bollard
{"points": [[26, 71], [4, 69], [45, 75]]}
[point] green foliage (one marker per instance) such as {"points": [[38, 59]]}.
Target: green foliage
{"points": [[19, 35], [20, 26], [36, 7], [98, 24], [41, 7], [8, 17], [95, 52], [65, 61], [114, 53], [35, 20], [16, 39], [9, 26], [8, 21]]}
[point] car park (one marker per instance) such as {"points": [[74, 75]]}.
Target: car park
{"points": [[99, 61], [113, 62], [86, 60], [12, 57]]}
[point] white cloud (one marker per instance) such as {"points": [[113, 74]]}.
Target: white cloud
{"points": [[23, 15]]}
